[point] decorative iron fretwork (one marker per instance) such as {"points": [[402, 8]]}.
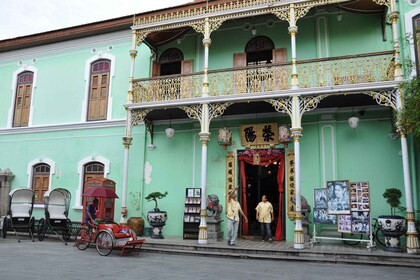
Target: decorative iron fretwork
{"points": [[284, 105], [299, 12], [138, 116], [347, 70], [215, 110], [219, 13], [291, 186], [383, 2], [149, 127], [309, 103], [214, 24], [385, 98], [141, 35]]}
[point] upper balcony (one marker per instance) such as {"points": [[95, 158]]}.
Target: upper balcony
{"points": [[251, 49], [269, 78]]}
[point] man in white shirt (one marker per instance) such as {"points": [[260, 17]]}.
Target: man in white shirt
{"points": [[265, 216], [233, 209]]}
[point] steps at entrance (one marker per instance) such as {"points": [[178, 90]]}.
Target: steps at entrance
{"points": [[262, 250]]}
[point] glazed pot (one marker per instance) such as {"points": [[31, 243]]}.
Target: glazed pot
{"points": [[392, 227], [157, 219], [136, 224]]}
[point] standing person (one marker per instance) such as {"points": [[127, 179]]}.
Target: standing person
{"points": [[91, 212], [233, 209], [265, 216]]}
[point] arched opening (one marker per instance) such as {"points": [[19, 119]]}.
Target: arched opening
{"points": [[259, 51], [170, 62]]}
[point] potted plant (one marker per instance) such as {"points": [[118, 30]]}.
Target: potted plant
{"points": [[392, 226], [156, 218]]}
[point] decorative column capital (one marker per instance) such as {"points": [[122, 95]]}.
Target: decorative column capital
{"points": [[204, 137], [133, 53], [293, 30], [296, 133], [206, 42], [393, 16], [127, 141]]}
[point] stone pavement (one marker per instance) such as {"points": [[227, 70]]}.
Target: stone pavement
{"points": [[51, 259]]}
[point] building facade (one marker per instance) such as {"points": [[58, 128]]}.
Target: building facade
{"points": [[282, 78]]}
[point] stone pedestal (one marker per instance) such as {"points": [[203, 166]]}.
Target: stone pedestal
{"points": [[305, 226], [6, 177], [213, 229]]}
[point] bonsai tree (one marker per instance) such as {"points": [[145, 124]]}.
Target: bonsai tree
{"points": [[155, 196], [393, 196]]}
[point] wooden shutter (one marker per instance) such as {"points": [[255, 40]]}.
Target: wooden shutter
{"points": [[186, 81], [279, 55], [239, 59], [98, 98], [239, 76], [155, 69], [40, 187], [22, 105]]}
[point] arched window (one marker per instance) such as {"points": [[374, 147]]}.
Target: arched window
{"points": [[40, 181], [416, 25], [23, 99], [99, 90], [170, 62], [259, 50]]}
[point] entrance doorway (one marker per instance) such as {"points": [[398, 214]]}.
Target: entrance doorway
{"points": [[261, 180], [262, 177]]}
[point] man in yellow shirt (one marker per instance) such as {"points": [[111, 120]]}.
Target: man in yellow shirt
{"points": [[265, 216], [233, 209]]}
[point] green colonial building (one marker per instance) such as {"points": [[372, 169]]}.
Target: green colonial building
{"points": [[282, 98]]}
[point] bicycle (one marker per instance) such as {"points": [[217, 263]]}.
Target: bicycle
{"points": [[378, 236]]}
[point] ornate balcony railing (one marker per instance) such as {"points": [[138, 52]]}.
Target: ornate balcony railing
{"points": [[367, 68]]}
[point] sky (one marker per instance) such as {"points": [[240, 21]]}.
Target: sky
{"points": [[25, 17]]}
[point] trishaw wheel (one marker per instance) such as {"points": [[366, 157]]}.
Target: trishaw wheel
{"points": [[104, 243], [83, 239], [42, 228], [5, 226], [66, 232]]}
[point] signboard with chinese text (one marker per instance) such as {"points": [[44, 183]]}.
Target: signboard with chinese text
{"points": [[259, 135]]}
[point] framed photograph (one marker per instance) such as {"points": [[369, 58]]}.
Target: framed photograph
{"points": [[197, 192], [360, 222], [320, 197], [186, 218], [190, 193], [344, 223], [359, 196], [321, 216], [338, 199]]}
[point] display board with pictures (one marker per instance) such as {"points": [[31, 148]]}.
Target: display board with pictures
{"points": [[359, 196], [344, 223], [321, 215], [338, 199], [192, 213]]}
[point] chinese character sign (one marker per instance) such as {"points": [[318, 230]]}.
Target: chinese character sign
{"points": [[259, 135]]}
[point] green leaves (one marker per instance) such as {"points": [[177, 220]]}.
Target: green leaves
{"points": [[409, 117], [393, 196]]}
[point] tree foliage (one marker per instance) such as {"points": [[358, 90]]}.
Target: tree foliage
{"points": [[409, 117], [154, 196]]}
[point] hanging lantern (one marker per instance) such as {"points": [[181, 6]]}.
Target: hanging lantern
{"points": [[284, 135], [224, 138], [256, 159]]}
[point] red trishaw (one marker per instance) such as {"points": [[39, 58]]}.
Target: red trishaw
{"points": [[106, 235]]}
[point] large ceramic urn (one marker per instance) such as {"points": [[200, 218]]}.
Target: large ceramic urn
{"points": [[392, 227], [157, 219]]}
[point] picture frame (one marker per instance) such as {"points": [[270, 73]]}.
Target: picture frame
{"points": [[360, 222], [344, 223], [190, 192], [338, 198], [359, 196], [321, 216], [320, 198], [197, 192]]}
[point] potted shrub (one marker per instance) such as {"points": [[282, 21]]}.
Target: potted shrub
{"points": [[392, 226], [156, 218]]}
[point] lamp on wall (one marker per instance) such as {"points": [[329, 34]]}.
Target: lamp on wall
{"points": [[253, 30], [170, 131], [224, 137], [354, 121], [284, 135], [339, 16]]}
